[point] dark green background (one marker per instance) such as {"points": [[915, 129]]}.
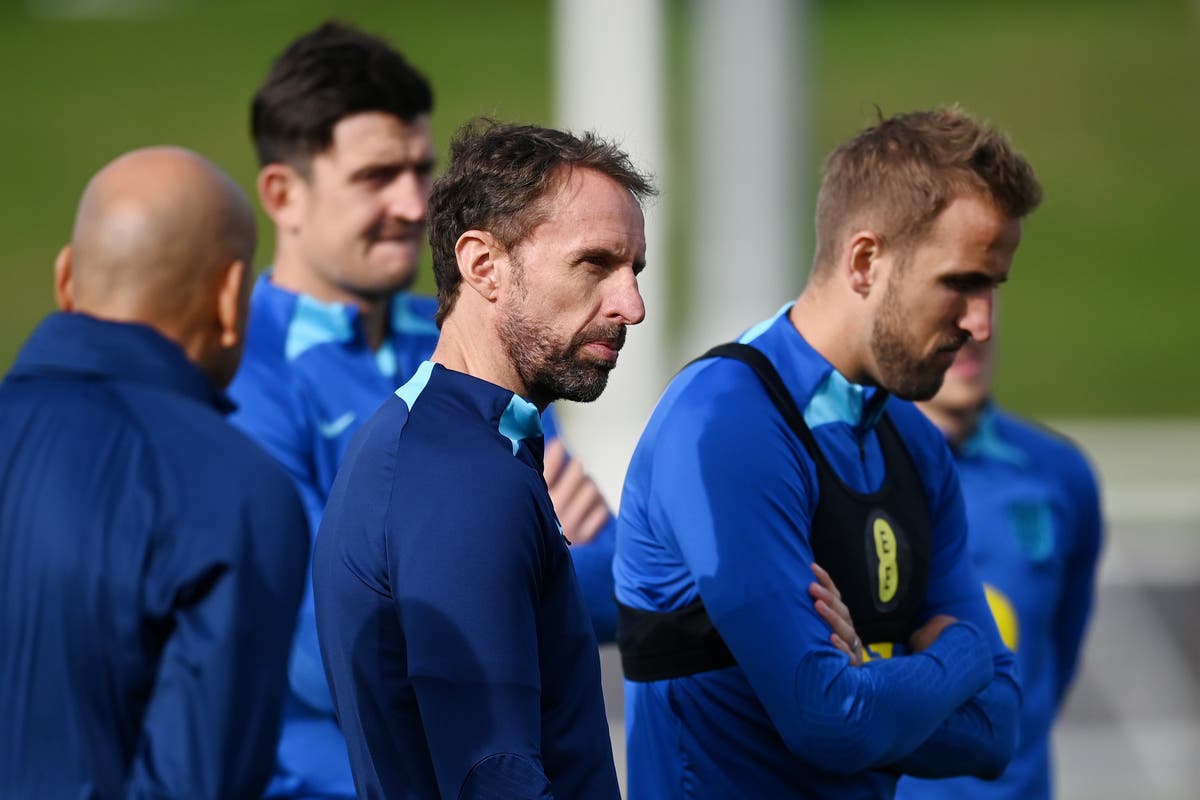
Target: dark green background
{"points": [[1104, 98]]}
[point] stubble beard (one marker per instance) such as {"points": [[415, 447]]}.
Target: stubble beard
{"points": [[902, 370]]}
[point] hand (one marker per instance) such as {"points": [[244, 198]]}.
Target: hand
{"points": [[578, 503], [828, 602], [928, 633]]}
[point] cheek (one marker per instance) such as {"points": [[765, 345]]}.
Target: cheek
{"points": [[346, 215]]}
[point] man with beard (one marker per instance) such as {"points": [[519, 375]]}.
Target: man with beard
{"points": [[341, 126], [797, 445], [1034, 514], [454, 633]]}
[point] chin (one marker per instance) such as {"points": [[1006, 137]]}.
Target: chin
{"points": [[388, 283], [955, 398]]}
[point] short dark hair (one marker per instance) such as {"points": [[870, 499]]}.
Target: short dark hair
{"points": [[497, 181], [895, 177], [322, 77]]}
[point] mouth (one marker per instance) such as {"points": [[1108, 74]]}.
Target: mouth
{"points": [[605, 350], [397, 233], [603, 344]]}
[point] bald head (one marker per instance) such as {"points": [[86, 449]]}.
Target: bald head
{"points": [[163, 237], [153, 227]]}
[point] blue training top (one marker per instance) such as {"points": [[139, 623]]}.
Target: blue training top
{"points": [[716, 505], [151, 565], [307, 383], [462, 661], [1035, 530]]}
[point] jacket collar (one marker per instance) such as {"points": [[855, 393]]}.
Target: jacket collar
{"points": [[78, 344]]}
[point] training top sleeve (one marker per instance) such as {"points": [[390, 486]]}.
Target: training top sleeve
{"points": [[227, 585], [593, 561], [275, 415], [979, 738], [473, 655], [735, 491], [1079, 580]]}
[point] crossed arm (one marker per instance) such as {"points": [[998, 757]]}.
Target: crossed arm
{"points": [[758, 483]]}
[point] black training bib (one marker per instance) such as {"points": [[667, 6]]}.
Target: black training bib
{"points": [[874, 545]]}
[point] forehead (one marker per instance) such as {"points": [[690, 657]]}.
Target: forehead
{"points": [[971, 234], [377, 137], [591, 210]]}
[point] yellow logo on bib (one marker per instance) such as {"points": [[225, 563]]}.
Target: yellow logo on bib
{"points": [[889, 570]]}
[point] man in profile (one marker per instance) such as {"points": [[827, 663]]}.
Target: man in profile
{"points": [[454, 632], [151, 556], [797, 445], [341, 126]]}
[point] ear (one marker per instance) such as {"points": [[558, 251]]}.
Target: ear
{"points": [[477, 253], [64, 282], [861, 261], [232, 304], [282, 191]]}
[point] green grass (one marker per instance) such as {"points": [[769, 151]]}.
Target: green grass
{"points": [[1101, 96]]}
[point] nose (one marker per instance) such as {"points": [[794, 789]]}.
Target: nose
{"points": [[408, 197], [625, 298], [977, 317]]}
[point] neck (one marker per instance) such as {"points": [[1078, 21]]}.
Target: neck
{"points": [[290, 272], [956, 424], [838, 336], [466, 344]]}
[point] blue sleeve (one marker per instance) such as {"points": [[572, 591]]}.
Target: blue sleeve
{"points": [[593, 567], [212, 723], [275, 417], [979, 738], [473, 655], [593, 563], [1079, 585], [737, 489]]}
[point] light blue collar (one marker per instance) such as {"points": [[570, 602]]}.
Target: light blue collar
{"points": [[986, 443]]}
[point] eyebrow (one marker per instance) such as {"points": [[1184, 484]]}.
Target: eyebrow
{"points": [[392, 167], [602, 255]]}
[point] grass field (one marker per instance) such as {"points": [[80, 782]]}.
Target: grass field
{"points": [[1101, 96]]}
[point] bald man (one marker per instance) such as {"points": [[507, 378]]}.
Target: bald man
{"points": [[151, 556]]}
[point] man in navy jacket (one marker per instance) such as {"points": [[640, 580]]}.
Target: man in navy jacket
{"points": [[151, 556], [453, 629]]}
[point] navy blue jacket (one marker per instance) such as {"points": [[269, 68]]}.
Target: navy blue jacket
{"points": [[151, 565], [307, 383], [456, 639]]}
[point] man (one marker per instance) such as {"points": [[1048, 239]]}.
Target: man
{"points": [[453, 629], [734, 687], [151, 556], [341, 126], [1033, 511]]}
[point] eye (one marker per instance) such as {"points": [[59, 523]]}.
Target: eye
{"points": [[377, 176], [424, 169], [971, 282]]}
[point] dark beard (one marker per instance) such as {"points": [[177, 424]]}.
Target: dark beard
{"points": [[550, 372], [901, 371]]}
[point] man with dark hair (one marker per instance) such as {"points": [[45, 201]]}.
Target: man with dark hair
{"points": [[341, 127], [1033, 510], [452, 625], [151, 556], [796, 445]]}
